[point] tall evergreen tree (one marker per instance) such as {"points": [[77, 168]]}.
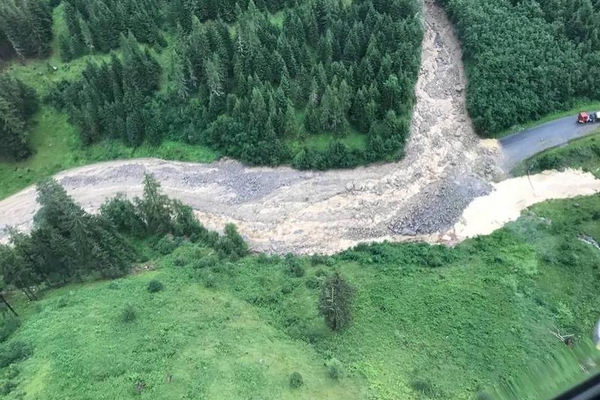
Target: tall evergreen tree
{"points": [[335, 302]]}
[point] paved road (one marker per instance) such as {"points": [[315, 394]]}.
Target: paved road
{"points": [[522, 145]]}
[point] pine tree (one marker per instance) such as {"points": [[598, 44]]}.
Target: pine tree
{"points": [[332, 112], [56, 206], [75, 34], [135, 128], [259, 113], [326, 48], [335, 302], [66, 50], [12, 133], [154, 208], [312, 121], [214, 75], [40, 16], [391, 94]]}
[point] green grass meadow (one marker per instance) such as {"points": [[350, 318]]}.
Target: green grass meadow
{"points": [[429, 322]]}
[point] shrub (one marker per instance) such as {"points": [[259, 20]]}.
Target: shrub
{"points": [[7, 387], [423, 386], [13, 371], [113, 286], [231, 244], [122, 213], [204, 262], [14, 351], [335, 369], [8, 325], [294, 267], [139, 387], [155, 286], [62, 302], [287, 288], [317, 259], [165, 246], [210, 281], [296, 380], [313, 282], [179, 261], [550, 161], [128, 314], [481, 395]]}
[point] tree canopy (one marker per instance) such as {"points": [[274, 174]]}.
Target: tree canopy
{"points": [[527, 58], [67, 243], [18, 103], [27, 26], [244, 83]]}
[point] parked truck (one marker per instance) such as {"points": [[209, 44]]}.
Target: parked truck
{"points": [[584, 118]]}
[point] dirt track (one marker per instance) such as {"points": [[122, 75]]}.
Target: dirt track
{"points": [[283, 210]]}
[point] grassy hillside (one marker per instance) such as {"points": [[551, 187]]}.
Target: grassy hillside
{"points": [[429, 322], [583, 153]]}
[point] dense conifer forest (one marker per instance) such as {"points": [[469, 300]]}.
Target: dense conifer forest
{"points": [[527, 58], [253, 80]]}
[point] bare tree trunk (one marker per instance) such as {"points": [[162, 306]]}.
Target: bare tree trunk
{"points": [[12, 310]]}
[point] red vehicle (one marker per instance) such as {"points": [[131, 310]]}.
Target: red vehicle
{"points": [[584, 118]]}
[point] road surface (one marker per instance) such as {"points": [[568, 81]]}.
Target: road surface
{"points": [[524, 144]]}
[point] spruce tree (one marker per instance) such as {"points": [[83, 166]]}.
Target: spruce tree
{"points": [[335, 302], [154, 208], [12, 133]]}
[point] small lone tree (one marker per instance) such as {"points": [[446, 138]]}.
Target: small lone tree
{"points": [[335, 302], [296, 380]]}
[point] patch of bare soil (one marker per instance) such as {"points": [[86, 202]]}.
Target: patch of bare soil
{"points": [[283, 210]]}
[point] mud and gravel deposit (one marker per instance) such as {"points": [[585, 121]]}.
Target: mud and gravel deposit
{"points": [[283, 210]]}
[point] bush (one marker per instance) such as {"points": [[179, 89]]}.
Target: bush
{"points": [[8, 325], [128, 314], [62, 302], [296, 380], [481, 395], [7, 387], [210, 281], [320, 273], [313, 282], [423, 386], [122, 213], [204, 262], [155, 286], [113, 286], [165, 246], [287, 288], [231, 244], [335, 369], [179, 261], [550, 161], [14, 351], [293, 266], [13, 371], [317, 259], [139, 387]]}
